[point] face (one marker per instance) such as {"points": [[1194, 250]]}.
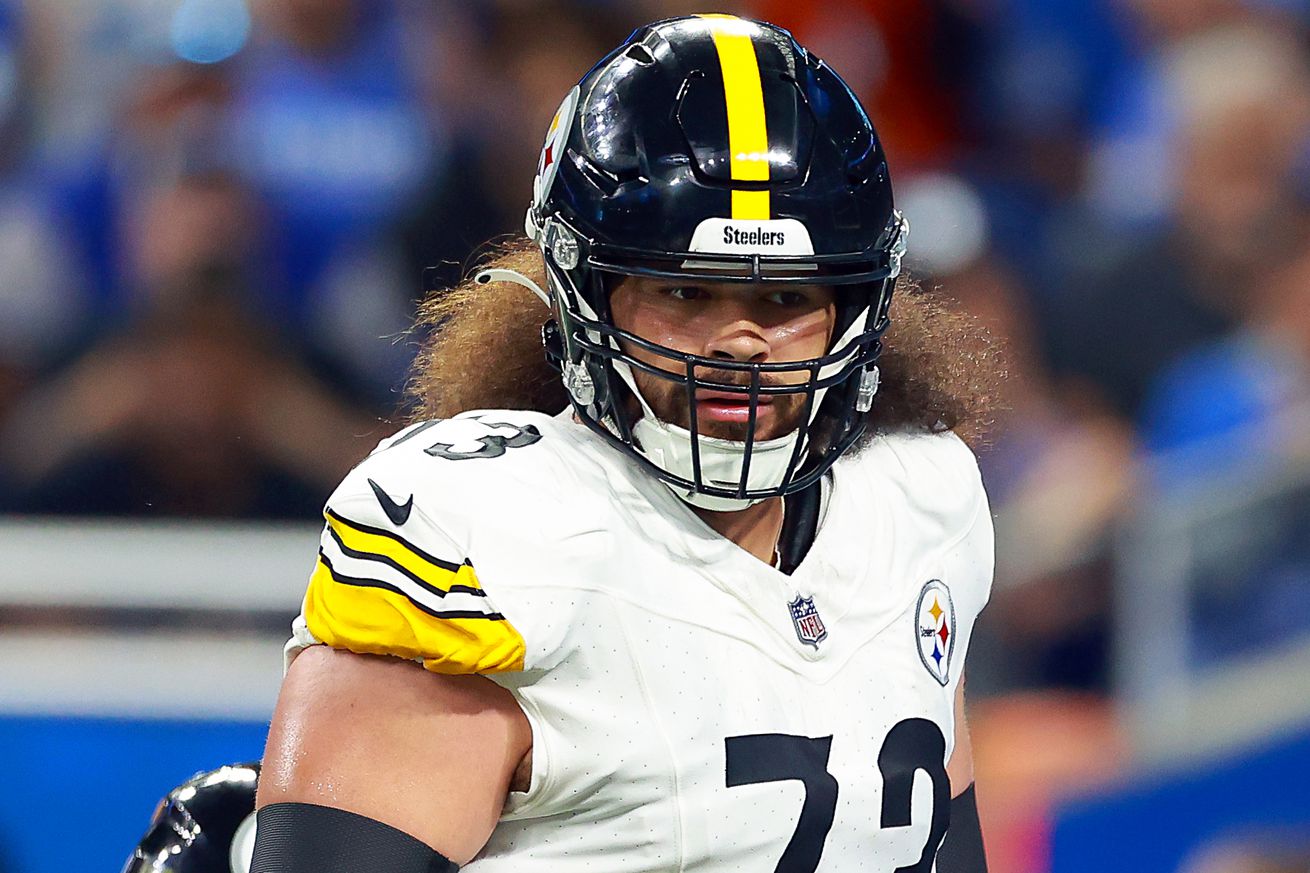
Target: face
{"points": [[727, 321]]}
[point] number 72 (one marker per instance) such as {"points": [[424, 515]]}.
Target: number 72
{"points": [[911, 745]]}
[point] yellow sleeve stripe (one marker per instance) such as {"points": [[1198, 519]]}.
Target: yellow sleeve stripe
{"points": [[748, 134], [438, 582], [367, 616], [375, 544]]}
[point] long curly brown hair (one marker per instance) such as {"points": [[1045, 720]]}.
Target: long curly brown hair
{"points": [[480, 348]]}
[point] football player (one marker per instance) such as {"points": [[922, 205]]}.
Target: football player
{"points": [[714, 615]]}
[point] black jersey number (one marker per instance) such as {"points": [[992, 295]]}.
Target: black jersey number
{"points": [[759, 758], [911, 745]]}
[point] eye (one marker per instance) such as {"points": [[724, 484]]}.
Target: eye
{"points": [[788, 298], [685, 292]]}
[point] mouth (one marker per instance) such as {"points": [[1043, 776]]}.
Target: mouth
{"points": [[727, 407]]}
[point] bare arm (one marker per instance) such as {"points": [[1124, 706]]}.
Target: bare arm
{"points": [[430, 755], [962, 851], [960, 767]]}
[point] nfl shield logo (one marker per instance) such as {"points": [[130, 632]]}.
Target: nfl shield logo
{"points": [[809, 626]]}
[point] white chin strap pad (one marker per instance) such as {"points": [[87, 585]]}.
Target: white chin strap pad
{"points": [[669, 447]]}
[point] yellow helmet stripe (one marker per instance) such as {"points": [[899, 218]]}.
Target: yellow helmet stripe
{"points": [[748, 135]]}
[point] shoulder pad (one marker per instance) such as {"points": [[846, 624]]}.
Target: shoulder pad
{"points": [[937, 472], [395, 575], [946, 502]]}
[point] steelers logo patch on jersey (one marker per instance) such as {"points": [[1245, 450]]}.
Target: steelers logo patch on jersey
{"points": [[935, 629]]}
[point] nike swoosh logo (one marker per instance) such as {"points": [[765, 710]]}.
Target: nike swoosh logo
{"points": [[398, 513]]}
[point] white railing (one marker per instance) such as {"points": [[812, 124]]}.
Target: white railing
{"points": [[132, 618]]}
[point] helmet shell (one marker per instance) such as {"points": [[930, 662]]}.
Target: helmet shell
{"points": [[656, 141], [193, 829]]}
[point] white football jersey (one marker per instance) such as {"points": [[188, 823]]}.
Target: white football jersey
{"points": [[692, 708]]}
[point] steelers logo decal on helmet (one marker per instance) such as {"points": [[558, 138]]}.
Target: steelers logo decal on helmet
{"points": [[553, 151]]}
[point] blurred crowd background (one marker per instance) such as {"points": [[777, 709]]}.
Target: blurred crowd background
{"points": [[215, 216]]}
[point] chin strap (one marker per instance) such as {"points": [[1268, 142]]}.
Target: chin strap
{"points": [[670, 448]]}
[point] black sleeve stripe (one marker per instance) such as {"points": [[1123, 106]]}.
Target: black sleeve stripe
{"points": [[409, 574], [385, 586], [365, 528]]}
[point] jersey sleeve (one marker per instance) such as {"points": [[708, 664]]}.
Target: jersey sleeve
{"points": [[393, 579], [970, 553], [948, 517]]}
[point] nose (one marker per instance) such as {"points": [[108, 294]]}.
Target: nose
{"points": [[740, 340]]}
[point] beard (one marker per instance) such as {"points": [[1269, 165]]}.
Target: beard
{"points": [[668, 400]]}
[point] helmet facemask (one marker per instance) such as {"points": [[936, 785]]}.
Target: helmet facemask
{"points": [[834, 391]]}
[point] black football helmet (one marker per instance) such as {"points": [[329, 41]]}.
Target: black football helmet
{"points": [[715, 148], [205, 825]]}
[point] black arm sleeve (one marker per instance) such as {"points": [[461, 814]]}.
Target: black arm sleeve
{"points": [[962, 848], [305, 838]]}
